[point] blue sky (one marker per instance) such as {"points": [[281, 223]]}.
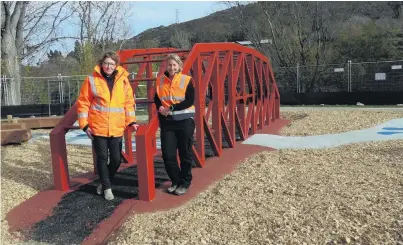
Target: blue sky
{"points": [[150, 14]]}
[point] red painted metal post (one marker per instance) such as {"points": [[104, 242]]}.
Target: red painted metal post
{"points": [[217, 96], [232, 81], [252, 85], [145, 160], [58, 150], [259, 113], [199, 109], [266, 94], [241, 106], [150, 90], [59, 159]]}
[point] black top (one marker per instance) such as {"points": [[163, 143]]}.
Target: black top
{"points": [[109, 79], [188, 102]]}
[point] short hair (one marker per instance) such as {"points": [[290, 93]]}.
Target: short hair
{"points": [[109, 54], [175, 58]]}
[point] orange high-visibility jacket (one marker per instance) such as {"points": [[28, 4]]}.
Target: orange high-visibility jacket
{"points": [[106, 114], [174, 92]]}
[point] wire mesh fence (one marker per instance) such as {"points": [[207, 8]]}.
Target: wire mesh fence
{"points": [[51, 91], [349, 77]]}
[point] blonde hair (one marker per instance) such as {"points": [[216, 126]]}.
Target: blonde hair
{"points": [[175, 58]]}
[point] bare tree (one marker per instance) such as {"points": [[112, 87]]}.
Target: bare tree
{"points": [[181, 40], [301, 32], [26, 28], [101, 25]]}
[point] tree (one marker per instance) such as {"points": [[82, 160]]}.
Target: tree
{"points": [[301, 33], [26, 28], [101, 25], [370, 41], [181, 40]]}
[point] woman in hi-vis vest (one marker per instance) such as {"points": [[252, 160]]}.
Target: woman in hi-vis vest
{"points": [[105, 107], [174, 99]]}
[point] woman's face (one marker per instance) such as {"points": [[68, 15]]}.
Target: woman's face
{"points": [[173, 67], [108, 66]]}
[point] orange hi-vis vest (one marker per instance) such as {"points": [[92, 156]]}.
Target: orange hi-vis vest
{"points": [[107, 114], [173, 92]]}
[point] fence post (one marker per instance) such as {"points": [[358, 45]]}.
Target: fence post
{"points": [[49, 99], [298, 82], [68, 84], [349, 76], [61, 93]]}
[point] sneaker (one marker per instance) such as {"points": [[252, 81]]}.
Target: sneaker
{"points": [[181, 190], [172, 188], [99, 189], [108, 194]]}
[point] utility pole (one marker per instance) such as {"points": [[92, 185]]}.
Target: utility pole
{"points": [[177, 16]]}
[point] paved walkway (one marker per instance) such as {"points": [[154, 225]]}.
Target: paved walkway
{"points": [[390, 130], [350, 108]]}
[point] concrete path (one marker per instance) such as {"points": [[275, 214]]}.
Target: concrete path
{"points": [[390, 130], [350, 108]]}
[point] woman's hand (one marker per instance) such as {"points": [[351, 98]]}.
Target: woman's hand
{"points": [[166, 111], [89, 133], [135, 127]]}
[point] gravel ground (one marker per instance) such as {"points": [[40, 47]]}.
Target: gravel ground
{"points": [[327, 196], [351, 194], [316, 122], [26, 170], [312, 196]]}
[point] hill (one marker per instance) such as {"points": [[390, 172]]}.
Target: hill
{"points": [[223, 25]]}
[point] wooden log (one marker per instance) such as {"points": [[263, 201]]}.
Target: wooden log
{"points": [[16, 136], [5, 126]]}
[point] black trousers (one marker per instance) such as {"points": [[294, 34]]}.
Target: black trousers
{"points": [[107, 147], [178, 135]]}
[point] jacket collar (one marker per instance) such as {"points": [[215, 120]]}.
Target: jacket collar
{"points": [[166, 74], [120, 71]]}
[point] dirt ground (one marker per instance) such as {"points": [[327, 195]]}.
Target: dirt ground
{"points": [[350, 194]]}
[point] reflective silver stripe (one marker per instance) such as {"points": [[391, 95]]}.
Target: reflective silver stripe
{"points": [[82, 115], [182, 84], [164, 98], [179, 98], [189, 110], [130, 113], [92, 83], [106, 109], [183, 114]]}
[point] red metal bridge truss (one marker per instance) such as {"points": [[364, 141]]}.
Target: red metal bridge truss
{"points": [[235, 95]]}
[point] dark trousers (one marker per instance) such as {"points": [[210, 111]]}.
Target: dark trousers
{"points": [[107, 147], [178, 135]]}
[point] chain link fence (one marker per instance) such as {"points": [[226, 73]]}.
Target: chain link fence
{"points": [[51, 91], [349, 77]]}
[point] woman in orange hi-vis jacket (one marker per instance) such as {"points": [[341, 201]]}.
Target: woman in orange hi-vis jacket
{"points": [[174, 100], [105, 107]]}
